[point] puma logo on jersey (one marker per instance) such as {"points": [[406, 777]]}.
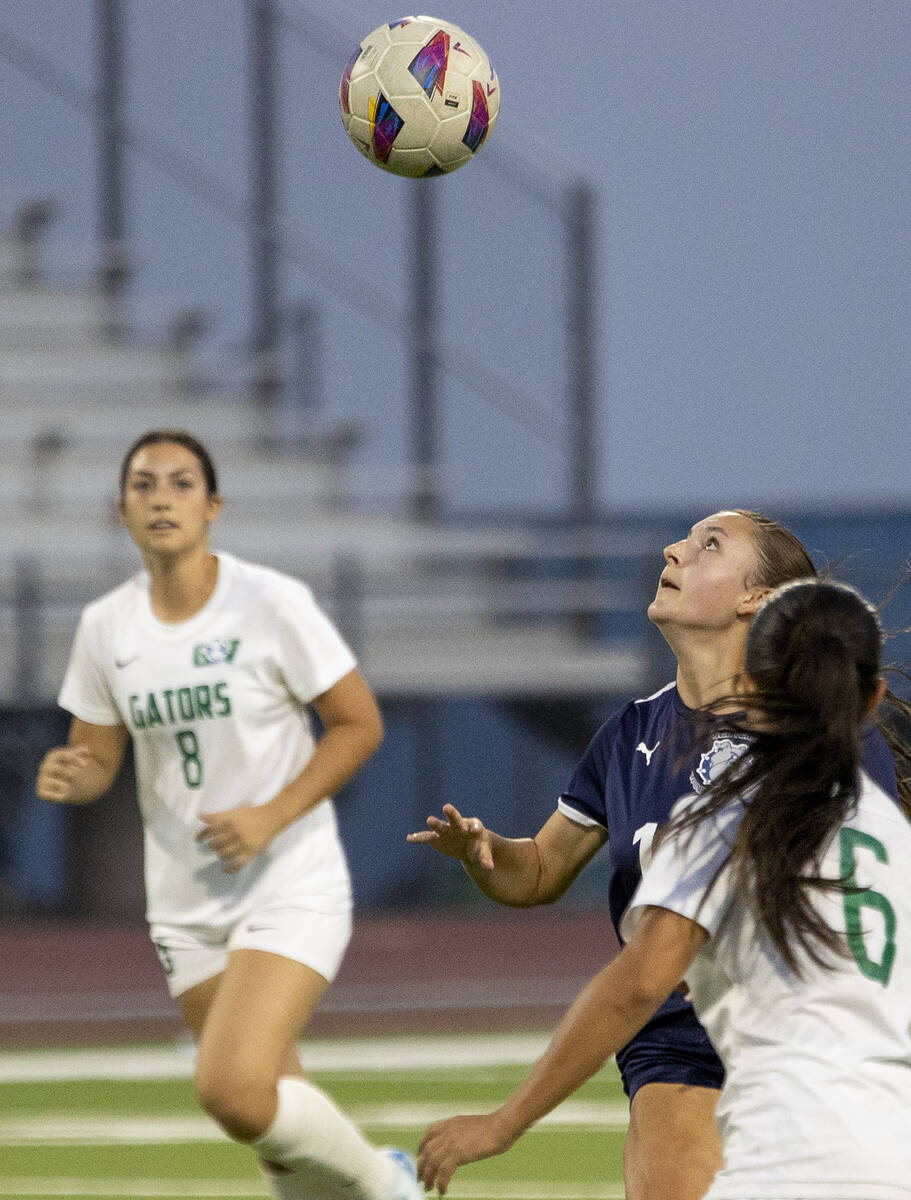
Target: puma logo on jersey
{"points": [[648, 753]]}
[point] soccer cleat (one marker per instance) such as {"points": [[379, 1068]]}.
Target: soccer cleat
{"points": [[406, 1176]]}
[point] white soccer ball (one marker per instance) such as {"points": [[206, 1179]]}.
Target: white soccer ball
{"points": [[419, 97]]}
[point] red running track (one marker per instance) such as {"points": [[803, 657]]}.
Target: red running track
{"points": [[449, 970]]}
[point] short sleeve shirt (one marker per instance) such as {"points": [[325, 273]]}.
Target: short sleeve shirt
{"points": [[638, 764], [817, 1095], [217, 707]]}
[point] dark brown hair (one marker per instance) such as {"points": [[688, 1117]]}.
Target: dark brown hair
{"points": [[180, 437], [814, 654], [780, 555]]}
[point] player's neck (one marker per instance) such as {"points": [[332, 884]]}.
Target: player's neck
{"points": [[707, 670], [181, 584]]}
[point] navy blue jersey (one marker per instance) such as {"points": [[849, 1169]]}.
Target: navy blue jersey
{"points": [[638, 764]]}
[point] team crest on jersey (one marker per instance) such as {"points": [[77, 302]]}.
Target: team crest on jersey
{"points": [[210, 654], [718, 758]]}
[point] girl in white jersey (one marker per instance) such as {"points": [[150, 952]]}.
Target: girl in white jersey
{"points": [[781, 895], [210, 665], [714, 580]]}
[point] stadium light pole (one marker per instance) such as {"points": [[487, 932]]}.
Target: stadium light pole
{"points": [[425, 366], [264, 342], [582, 338], [582, 375], [111, 184]]}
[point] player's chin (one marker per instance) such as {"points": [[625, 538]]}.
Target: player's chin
{"points": [[662, 607], [654, 612]]}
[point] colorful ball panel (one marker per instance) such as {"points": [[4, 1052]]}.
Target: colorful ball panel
{"points": [[419, 97]]}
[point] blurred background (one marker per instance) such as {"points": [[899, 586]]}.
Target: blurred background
{"points": [[468, 411]]}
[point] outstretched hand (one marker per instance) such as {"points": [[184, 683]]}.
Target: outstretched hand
{"points": [[465, 838], [238, 834], [448, 1144]]}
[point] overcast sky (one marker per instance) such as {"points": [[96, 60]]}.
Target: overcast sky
{"points": [[752, 169]]}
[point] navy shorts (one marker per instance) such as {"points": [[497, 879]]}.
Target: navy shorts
{"points": [[672, 1048]]}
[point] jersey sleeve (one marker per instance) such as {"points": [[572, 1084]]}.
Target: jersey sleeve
{"points": [[312, 654], [85, 692], [689, 874], [584, 799]]}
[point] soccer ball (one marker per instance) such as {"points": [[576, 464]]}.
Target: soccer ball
{"points": [[419, 97]]}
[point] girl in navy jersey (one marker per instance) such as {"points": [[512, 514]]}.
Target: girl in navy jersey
{"points": [[636, 767], [209, 665], [781, 895]]}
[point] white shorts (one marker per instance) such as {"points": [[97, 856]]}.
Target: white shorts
{"points": [[191, 954]]}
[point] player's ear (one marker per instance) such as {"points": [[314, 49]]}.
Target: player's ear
{"points": [[215, 506], [752, 601]]}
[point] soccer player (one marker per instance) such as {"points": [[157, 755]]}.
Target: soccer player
{"points": [[211, 665], [636, 767], [781, 895]]}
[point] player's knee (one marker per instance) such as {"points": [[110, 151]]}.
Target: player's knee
{"points": [[241, 1102]]}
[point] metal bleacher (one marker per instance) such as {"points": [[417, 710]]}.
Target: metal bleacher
{"points": [[440, 608]]}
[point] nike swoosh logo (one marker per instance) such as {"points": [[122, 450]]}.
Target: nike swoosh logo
{"points": [[120, 663], [258, 928]]}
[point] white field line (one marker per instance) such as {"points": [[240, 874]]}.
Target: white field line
{"points": [[374, 1054], [579, 1114], [61, 1129], [28, 1185], [75, 1189]]}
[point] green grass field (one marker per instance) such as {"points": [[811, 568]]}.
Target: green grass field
{"points": [[124, 1123]]}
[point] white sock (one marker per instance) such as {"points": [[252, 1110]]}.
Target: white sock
{"points": [[301, 1185], [325, 1153]]}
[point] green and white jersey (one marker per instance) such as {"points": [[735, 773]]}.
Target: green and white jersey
{"points": [[217, 710], [817, 1097]]}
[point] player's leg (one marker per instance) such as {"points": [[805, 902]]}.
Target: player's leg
{"points": [[246, 1039], [195, 1004], [249, 1079], [672, 1148]]}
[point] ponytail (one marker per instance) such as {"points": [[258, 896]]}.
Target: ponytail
{"points": [[813, 655], [824, 679]]}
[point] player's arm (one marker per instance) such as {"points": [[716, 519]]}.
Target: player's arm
{"points": [[85, 768], [353, 731], [520, 872], [602, 1019]]}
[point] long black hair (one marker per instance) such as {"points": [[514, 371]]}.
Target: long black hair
{"points": [[813, 657]]}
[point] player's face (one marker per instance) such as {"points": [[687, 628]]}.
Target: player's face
{"points": [[704, 582], [165, 505]]}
